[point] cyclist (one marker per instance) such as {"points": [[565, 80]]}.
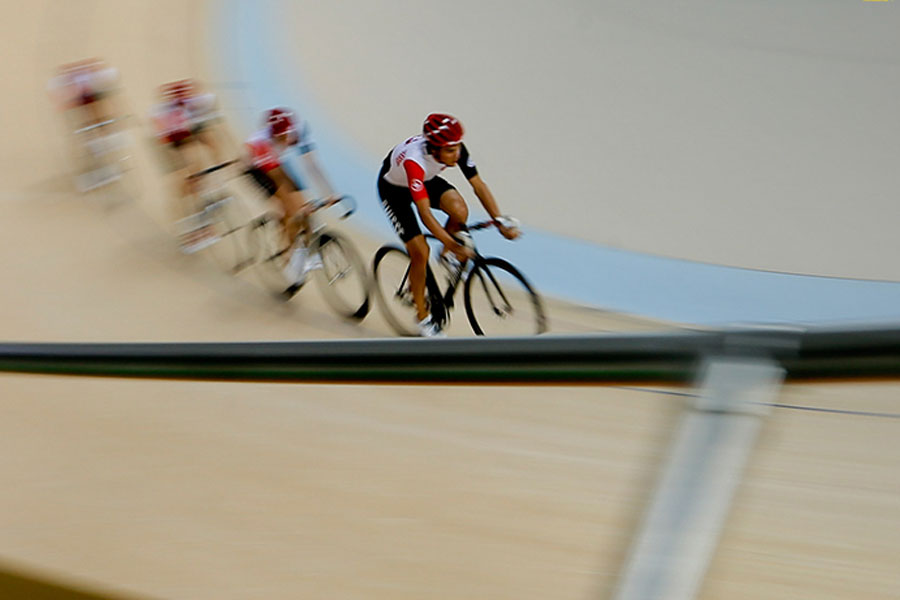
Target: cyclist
{"points": [[184, 120], [185, 116], [410, 176], [84, 92], [281, 132]]}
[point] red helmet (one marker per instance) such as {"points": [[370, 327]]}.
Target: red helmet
{"points": [[442, 130], [179, 90], [279, 121]]}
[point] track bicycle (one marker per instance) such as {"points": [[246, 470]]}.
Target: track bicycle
{"points": [[218, 222], [342, 279], [103, 154], [224, 229], [499, 300]]}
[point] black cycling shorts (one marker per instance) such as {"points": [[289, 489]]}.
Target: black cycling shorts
{"points": [[397, 202]]}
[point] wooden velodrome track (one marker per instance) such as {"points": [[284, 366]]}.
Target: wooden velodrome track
{"points": [[212, 490]]}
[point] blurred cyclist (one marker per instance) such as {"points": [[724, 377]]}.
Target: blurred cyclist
{"points": [[184, 120], [84, 92], [283, 130], [409, 175], [85, 87]]}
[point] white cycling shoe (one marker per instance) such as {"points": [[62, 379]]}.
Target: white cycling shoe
{"points": [[428, 328], [298, 267], [313, 262]]}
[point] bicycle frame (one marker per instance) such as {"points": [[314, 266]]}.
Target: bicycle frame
{"points": [[440, 310]]}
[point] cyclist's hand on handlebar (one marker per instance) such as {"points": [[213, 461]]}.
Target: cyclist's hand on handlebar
{"points": [[508, 233], [508, 226]]}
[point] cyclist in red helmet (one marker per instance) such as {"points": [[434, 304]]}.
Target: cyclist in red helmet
{"points": [[185, 120], [283, 130], [86, 94], [184, 116], [87, 85], [410, 176]]}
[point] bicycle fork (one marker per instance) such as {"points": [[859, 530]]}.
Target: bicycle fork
{"points": [[506, 308]]}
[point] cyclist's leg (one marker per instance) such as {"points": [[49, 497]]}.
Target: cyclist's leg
{"points": [[185, 160], [290, 202], [293, 204], [102, 108], [418, 268], [91, 108], [447, 198], [397, 203], [452, 203]]}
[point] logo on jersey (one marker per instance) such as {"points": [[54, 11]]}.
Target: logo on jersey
{"points": [[416, 185], [470, 163]]}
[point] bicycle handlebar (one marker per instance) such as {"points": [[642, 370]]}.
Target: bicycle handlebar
{"points": [[87, 128], [490, 223], [213, 169], [349, 200], [481, 225]]}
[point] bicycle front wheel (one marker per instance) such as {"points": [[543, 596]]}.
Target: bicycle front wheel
{"points": [[500, 301], [342, 279]]}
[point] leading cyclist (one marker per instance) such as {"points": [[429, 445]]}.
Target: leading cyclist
{"points": [[410, 176]]}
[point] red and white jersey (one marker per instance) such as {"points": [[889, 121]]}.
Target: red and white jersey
{"points": [[175, 121], [82, 85], [412, 165], [266, 152], [412, 150]]}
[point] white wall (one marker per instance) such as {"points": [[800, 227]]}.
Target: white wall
{"points": [[754, 133]]}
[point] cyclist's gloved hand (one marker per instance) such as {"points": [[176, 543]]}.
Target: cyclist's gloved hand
{"points": [[508, 226]]}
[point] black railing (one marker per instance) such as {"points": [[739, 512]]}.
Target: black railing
{"points": [[669, 357]]}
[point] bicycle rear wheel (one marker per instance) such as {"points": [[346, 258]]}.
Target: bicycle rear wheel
{"points": [[342, 279], [268, 247], [500, 301], [390, 271]]}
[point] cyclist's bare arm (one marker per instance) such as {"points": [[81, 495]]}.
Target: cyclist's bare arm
{"points": [[310, 158], [490, 205], [293, 200]]}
